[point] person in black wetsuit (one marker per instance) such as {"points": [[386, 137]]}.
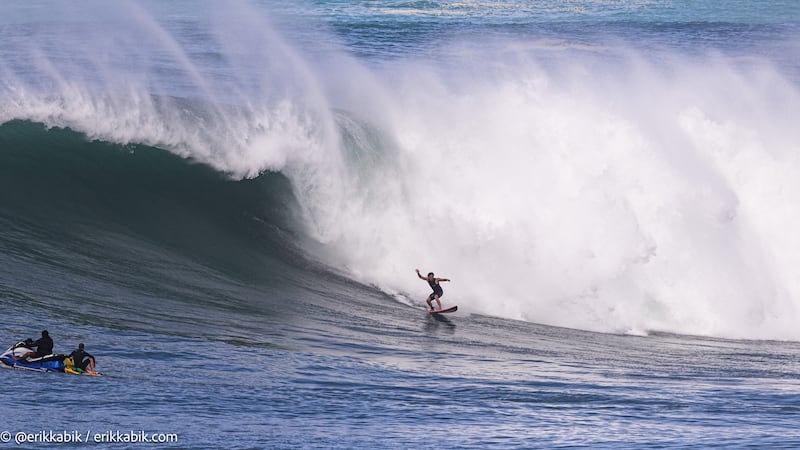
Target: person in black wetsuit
{"points": [[437, 289], [82, 359], [44, 345]]}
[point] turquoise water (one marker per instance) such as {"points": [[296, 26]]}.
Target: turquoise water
{"points": [[227, 203]]}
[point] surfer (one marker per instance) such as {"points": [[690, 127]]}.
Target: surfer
{"points": [[82, 359], [437, 289]]}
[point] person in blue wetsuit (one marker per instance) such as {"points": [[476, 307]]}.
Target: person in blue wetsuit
{"points": [[437, 289]]}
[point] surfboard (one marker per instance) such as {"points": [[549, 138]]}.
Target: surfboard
{"points": [[444, 310], [76, 371]]}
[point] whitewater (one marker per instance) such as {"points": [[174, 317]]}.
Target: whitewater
{"points": [[612, 187]]}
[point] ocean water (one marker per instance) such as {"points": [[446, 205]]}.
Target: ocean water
{"points": [[226, 202]]}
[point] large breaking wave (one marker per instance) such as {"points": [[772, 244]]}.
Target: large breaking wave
{"points": [[588, 188]]}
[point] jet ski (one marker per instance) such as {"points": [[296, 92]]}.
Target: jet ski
{"points": [[15, 358]]}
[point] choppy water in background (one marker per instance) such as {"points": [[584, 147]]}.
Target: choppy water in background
{"points": [[226, 204]]}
